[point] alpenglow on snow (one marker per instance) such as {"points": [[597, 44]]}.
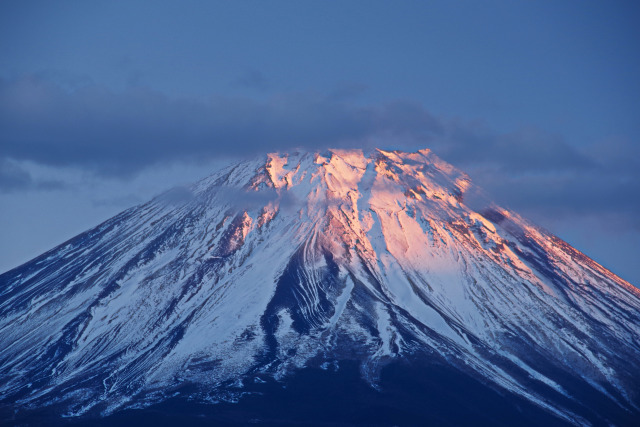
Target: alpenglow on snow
{"points": [[319, 261]]}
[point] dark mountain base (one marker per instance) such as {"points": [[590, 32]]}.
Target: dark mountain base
{"points": [[433, 395]]}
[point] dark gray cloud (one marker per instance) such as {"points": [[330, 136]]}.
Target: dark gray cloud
{"points": [[121, 133], [540, 175], [566, 195], [15, 178], [82, 125], [525, 150]]}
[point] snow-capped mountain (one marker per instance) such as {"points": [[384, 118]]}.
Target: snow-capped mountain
{"points": [[318, 260]]}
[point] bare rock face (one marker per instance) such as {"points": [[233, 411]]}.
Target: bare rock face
{"points": [[332, 262]]}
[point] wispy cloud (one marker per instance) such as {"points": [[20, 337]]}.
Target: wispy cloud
{"points": [[541, 174], [15, 178], [88, 127], [122, 133]]}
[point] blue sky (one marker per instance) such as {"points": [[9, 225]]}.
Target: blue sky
{"points": [[104, 104]]}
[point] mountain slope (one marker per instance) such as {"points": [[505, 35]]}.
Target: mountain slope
{"points": [[310, 260]]}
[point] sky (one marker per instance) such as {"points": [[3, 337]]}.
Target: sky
{"points": [[105, 104]]}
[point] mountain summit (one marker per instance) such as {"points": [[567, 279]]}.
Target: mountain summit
{"points": [[317, 279]]}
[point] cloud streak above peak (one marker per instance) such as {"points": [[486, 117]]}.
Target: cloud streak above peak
{"points": [[121, 133]]}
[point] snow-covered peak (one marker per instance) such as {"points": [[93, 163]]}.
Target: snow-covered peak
{"points": [[305, 259]]}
